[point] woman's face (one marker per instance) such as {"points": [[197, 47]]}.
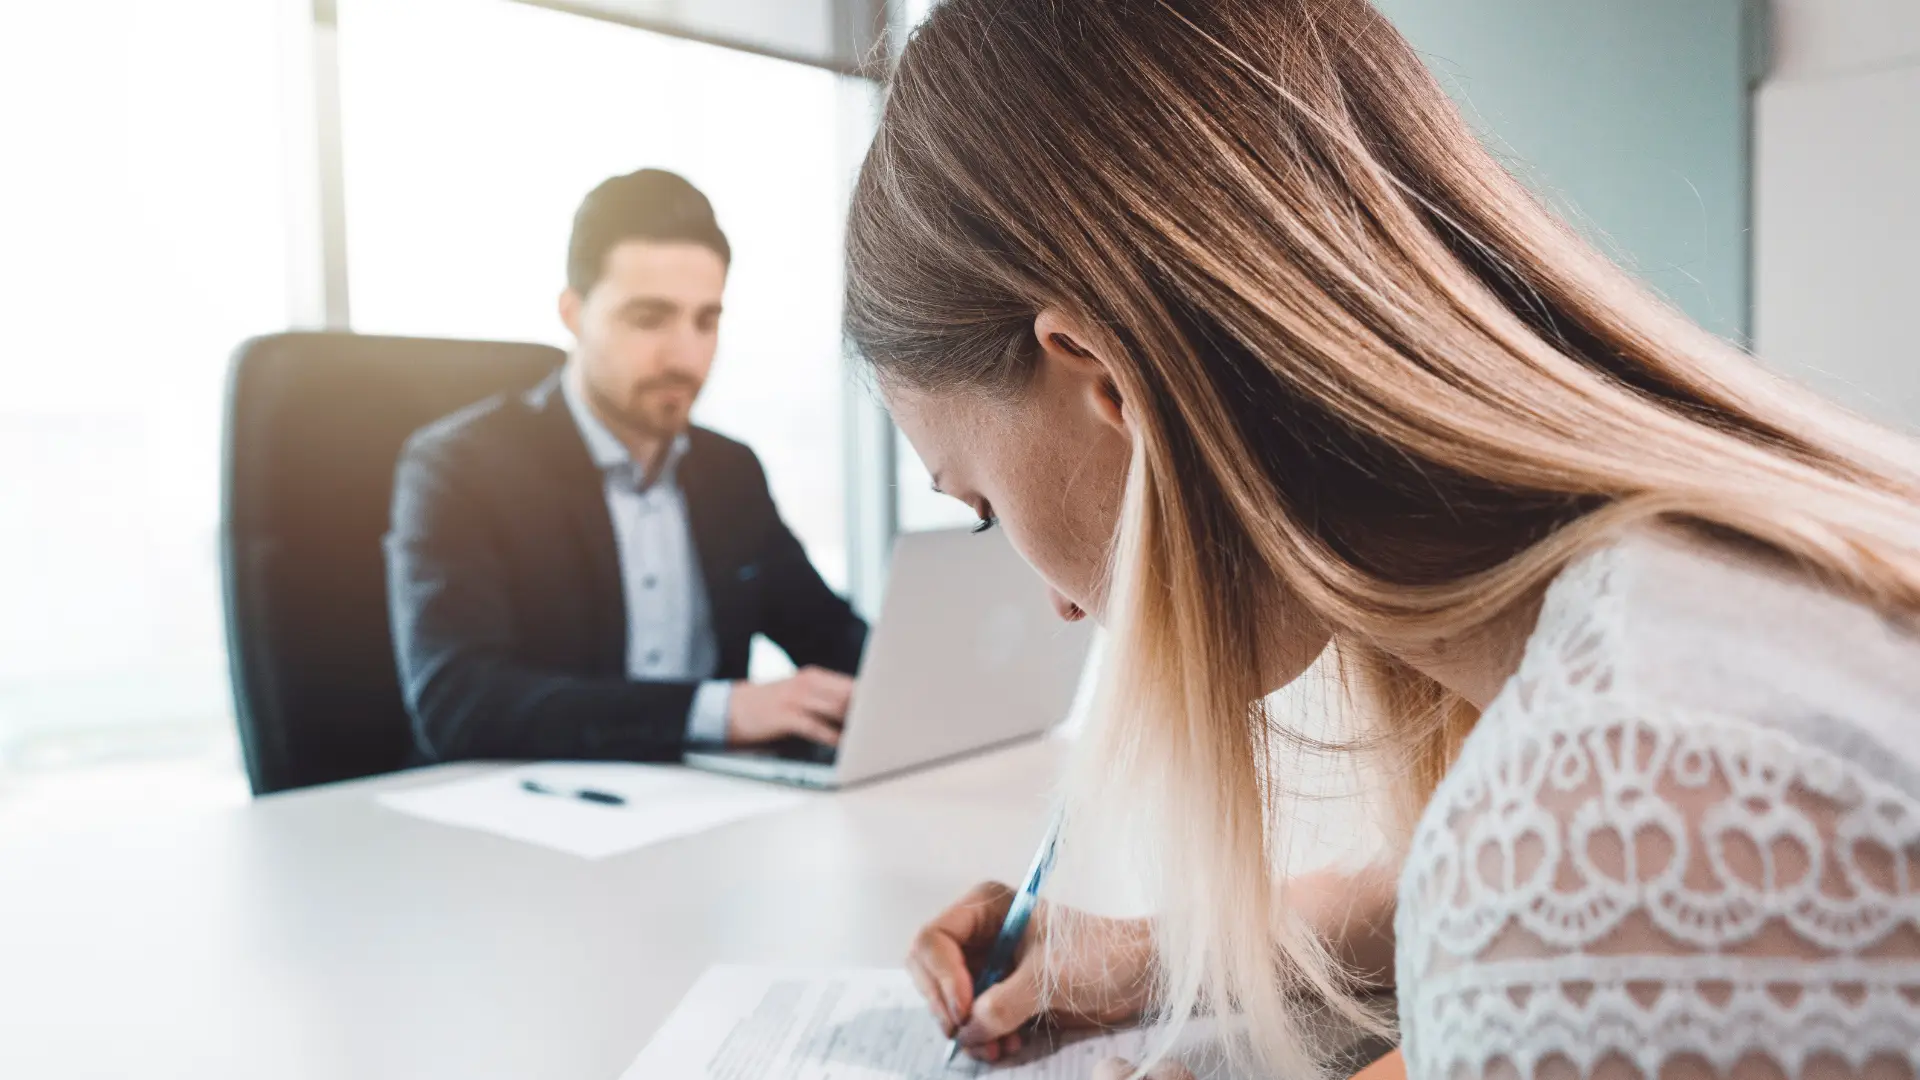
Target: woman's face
{"points": [[1049, 465]]}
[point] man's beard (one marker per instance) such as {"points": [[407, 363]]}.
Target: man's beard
{"points": [[634, 418]]}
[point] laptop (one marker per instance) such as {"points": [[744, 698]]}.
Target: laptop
{"points": [[968, 655]]}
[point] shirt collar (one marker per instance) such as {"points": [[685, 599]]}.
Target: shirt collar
{"points": [[609, 454]]}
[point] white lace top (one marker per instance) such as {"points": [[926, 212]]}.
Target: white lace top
{"points": [[1684, 840]]}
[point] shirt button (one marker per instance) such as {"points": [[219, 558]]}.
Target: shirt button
{"points": [[653, 658], [649, 581]]}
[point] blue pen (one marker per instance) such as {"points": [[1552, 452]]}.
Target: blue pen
{"points": [[1000, 957]]}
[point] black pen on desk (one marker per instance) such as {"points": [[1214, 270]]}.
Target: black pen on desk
{"points": [[604, 798], [999, 963]]}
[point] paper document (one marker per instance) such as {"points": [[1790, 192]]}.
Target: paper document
{"points": [[750, 1023], [649, 803]]}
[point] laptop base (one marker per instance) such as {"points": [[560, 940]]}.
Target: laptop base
{"points": [[769, 767]]}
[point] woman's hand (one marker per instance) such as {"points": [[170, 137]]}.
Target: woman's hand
{"points": [[1101, 978], [1352, 911], [1116, 1069]]}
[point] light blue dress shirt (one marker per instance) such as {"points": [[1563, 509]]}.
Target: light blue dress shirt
{"points": [[669, 626]]}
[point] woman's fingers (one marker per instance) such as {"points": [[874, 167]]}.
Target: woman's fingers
{"points": [[938, 958], [1116, 1069], [939, 971], [1006, 1008], [937, 1003]]}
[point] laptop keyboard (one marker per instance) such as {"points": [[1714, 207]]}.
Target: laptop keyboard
{"points": [[794, 749]]}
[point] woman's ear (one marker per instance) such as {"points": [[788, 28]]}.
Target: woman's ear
{"points": [[1066, 346]]}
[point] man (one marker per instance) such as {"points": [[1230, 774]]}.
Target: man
{"points": [[577, 572]]}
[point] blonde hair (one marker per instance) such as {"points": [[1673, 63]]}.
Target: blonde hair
{"points": [[1369, 378]]}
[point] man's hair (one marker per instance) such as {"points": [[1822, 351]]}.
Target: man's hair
{"points": [[651, 205]]}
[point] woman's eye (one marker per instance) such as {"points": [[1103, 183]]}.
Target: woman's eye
{"points": [[986, 523]]}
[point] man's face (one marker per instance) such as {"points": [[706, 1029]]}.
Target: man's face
{"points": [[646, 332]]}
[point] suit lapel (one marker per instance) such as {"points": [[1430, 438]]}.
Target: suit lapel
{"points": [[578, 484]]}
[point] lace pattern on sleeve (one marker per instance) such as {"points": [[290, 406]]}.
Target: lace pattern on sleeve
{"points": [[1603, 882]]}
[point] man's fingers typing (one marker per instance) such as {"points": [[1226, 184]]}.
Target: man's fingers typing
{"points": [[825, 691], [823, 705], [814, 729]]}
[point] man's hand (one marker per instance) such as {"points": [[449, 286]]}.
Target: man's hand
{"points": [[811, 705]]}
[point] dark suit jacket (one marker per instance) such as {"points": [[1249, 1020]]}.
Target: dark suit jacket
{"points": [[509, 619]]}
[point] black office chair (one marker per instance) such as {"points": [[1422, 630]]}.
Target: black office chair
{"points": [[314, 426]]}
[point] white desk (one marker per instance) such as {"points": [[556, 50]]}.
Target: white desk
{"points": [[319, 935]]}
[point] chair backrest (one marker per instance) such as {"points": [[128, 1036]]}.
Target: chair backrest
{"points": [[314, 427]]}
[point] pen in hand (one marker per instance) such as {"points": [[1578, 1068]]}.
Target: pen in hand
{"points": [[604, 798], [999, 962]]}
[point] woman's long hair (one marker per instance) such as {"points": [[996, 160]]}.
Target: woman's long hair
{"points": [[1365, 372]]}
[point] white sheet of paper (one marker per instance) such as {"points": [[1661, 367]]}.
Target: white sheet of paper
{"points": [[662, 802], [754, 1023]]}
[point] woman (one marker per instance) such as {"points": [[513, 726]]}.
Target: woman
{"points": [[1219, 309]]}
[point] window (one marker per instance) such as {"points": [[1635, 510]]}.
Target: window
{"points": [[914, 12], [142, 206], [920, 507], [840, 34]]}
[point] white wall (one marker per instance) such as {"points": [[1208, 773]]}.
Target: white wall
{"points": [[1837, 202]]}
